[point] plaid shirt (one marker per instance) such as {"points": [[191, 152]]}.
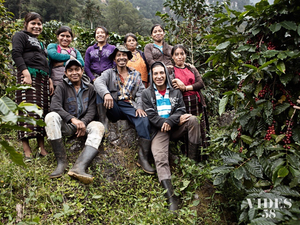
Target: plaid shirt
{"points": [[125, 86]]}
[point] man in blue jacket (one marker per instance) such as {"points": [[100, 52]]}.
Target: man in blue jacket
{"points": [[73, 109]]}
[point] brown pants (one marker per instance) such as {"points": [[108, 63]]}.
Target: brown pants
{"points": [[160, 145]]}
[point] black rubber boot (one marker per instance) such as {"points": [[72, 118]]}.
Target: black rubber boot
{"points": [[61, 157], [193, 152], [172, 199], [102, 116], [143, 159], [83, 161]]}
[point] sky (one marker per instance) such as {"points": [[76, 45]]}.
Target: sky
{"points": [[255, 1]]}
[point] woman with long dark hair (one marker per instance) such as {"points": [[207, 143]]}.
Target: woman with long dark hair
{"points": [[138, 60], [30, 58], [59, 53], [187, 79], [96, 56], [159, 50]]}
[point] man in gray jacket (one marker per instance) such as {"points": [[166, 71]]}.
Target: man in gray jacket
{"points": [[73, 109], [120, 90]]}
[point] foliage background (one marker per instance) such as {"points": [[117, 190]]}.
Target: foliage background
{"points": [[249, 62]]}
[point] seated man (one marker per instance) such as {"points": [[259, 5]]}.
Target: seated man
{"points": [[73, 108], [166, 112], [120, 90]]}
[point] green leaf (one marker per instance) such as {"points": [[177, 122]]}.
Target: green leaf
{"points": [[15, 88], [259, 151], [298, 29], [289, 25], [258, 89], [57, 215], [7, 105], [243, 216], [280, 108], [267, 63], [222, 104], [220, 179], [29, 107], [96, 196], [283, 172], [295, 182], [277, 164], [238, 173], [285, 78], [237, 183], [14, 156], [281, 66], [243, 48], [282, 56], [251, 67], [268, 108], [279, 138], [222, 169], [254, 168], [296, 134], [185, 185], [275, 27], [286, 191], [261, 221], [14, 127], [223, 45], [255, 31], [244, 119], [270, 53], [262, 183], [293, 160], [248, 140], [196, 202], [9, 118]]}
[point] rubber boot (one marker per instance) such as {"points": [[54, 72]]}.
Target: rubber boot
{"points": [[193, 151], [83, 161], [143, 158], [102, 116], [61, 157], [172, 199]]}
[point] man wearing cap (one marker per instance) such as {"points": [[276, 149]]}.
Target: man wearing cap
{"points": [[120, 90], [73, 109]]}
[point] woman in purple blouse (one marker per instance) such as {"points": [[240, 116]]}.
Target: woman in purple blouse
{"points": [[96, 56]]}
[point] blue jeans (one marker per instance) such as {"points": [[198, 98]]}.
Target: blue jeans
{"points": [[125, 111]]}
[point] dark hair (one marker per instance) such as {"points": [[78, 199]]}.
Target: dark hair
{"points": [[64, 29], [31, 16], [157, 25], [156, 64], [129, 35], [176, 47], [101, 27]]}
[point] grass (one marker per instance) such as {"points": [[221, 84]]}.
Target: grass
{"points": [[131, 197]]}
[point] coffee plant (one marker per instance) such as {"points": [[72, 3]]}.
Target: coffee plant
{"points": [[257, 50]]}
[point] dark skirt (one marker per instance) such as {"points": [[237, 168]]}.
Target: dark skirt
{"points": [[194, 107], [38, 96]]}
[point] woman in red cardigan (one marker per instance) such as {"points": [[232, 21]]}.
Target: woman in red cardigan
{"points": [[187, 78]]}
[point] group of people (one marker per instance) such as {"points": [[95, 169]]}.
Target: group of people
{"points": [[161, 98]]}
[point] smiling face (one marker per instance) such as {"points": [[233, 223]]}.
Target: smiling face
{"points": [[159, 77], [64, 39], [179, 57], [158, 34], [34, 26], [121, 59], [131, 44], [101, 36], [74, 73]]}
